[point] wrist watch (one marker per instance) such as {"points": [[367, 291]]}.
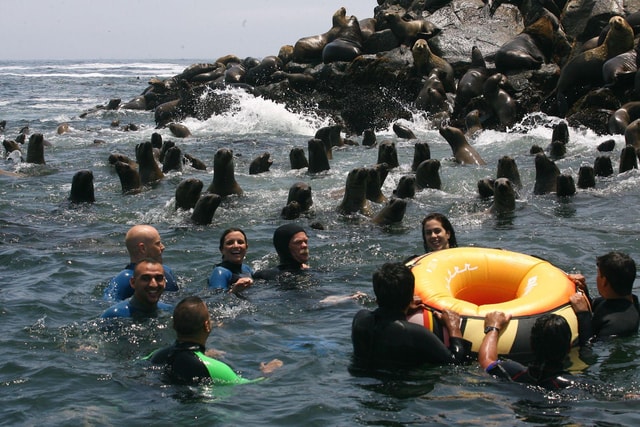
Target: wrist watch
{"points": [[491, 328]]}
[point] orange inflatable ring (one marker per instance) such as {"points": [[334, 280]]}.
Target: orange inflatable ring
{"points": [[474, 281]]}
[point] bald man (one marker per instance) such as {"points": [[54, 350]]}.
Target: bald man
{"points": [[142, 241]]}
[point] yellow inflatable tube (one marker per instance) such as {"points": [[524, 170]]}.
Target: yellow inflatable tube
{"points": [[475, 281]]}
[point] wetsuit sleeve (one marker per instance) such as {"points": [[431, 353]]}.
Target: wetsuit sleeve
{"points": [[170, 280], [119, 287], [507, 369], [219, 278], [585, 328], [220, 372], [121, 309], [434, 350]]}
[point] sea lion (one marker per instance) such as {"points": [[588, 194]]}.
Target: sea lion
{"points": [[355, 199], [63, 128], [632, 134], [471, 83], [309, 49], [421, 152], [156, 140], [318, 160], [35, 149], [585, 69], [10, 146], [129, 178], [291, 210], [262, 73], [173, 160], [504, 196], [403, 131], [147, 166], [119, 157], [297, 158], [347, 45], [428, 175], [408, 31], [628, 159], [369, 138], [485, 187], [565, 186], [546, 175], [163, 150], [300, 193], [374, 184], [330, 136], [507, 168], [260, 164], [607, 145], [432, 96], [560, 132], [392, 213], [167, 112], [179, 130], [504, 107], [586, 177], [602, 166], [224, 179], [472, 123], [406, 188], [529, 49], [188, 192], [424, 61], [205, 208], [82, 190], [388, 154], [463, 152], [195, 163], [620, 119], [620, 68]]}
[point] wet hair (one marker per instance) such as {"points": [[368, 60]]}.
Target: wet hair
{"points": [[453, 243], [189, 316], [619, 269], [550, 339], [281, 238], [393, 284], [231, 230]]}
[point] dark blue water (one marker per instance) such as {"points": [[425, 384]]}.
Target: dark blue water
{"points": [[61, 366]]}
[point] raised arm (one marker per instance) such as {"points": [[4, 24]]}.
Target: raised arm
{"points": [[494, 322]]}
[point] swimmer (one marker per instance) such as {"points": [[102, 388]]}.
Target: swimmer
{"points": [[231, 274], [292, 245], [437, 233]]}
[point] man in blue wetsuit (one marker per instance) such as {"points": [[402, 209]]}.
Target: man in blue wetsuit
{"points": [[142, 241], [384, 339], [148, 283], [185, 361]]}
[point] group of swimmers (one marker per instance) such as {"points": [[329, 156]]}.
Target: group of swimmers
{"points": [[383, 338]]}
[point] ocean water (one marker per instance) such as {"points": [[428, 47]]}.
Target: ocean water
{"points": [[61, 365]]}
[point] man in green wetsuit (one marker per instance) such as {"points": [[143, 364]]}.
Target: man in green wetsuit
{"points": [[185, 361]]}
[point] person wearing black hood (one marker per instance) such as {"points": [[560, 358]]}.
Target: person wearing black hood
{"points": [[292, 245]]}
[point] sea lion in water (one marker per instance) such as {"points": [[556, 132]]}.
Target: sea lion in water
{"points": [[129, 178], [260, 164], [504, 196], [369, 138], [297, 158], [507, 168], [421, 152], [10, 146], [463, 152], [606, 146], [388, 154], [485, 187], [205, 208], [179, 130], [546, 175], [406, 188], [224, 179], [428, 175], [291, 210], [403, 131], [147, 166], [35, 149], [62, 128], [188, 192], [318, 161], [628, 159], [194, 162], [374, 183], [300, 192], [355, 192], [82, 190], [602, 166], [392, 213], [565, 186], [586, 177], [173, 160]]}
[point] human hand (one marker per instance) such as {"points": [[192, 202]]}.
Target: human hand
{"points": [[579, 302], [579, 280], [497, 319], [451, 320], [415, 305], [271, 366], [241, 284]]}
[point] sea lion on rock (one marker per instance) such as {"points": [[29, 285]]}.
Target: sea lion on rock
{"points": [[309, 49], [318, 160], [82, 190], [585, 69], [463, 152], [147, 166], [428, 175], [388, 154], [224, 179], [188, 192], [347, 45], [205, 208], [432, 97], [503, 105], [35, 149], [565, 186], [620, 67], [602, 166], [179, 130], [262, 73], [529, 49], [632, 134], [355, 199], [421, 152], [297, 158], [300, 192], [173, 160], [471, 83], [628, 159], [546, 175], [392, 213], [403, 131], [425, 61], [507, 168], [406, 188], [408, 31], [620, 119], [129, 178], [586, 177], [260, 164], [504, 196]]}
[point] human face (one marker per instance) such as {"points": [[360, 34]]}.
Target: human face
{"points": [[436, 236], [234, 247], [299, 247], [153, 246], [148, 283]]}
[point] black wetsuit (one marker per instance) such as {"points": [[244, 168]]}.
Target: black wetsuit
{"points": [[288, 264], [611, 317], [509, 369], [385, 339]]}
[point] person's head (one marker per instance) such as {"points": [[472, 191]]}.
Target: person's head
{"points": [[619, 272], [550, 338], [143, 241], [191, 319], [437, 233], [233, 245], [393, 284], [291, 244], [148, 281]]}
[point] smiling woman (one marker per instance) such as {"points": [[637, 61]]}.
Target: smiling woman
{"points": [[231, 274]]}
